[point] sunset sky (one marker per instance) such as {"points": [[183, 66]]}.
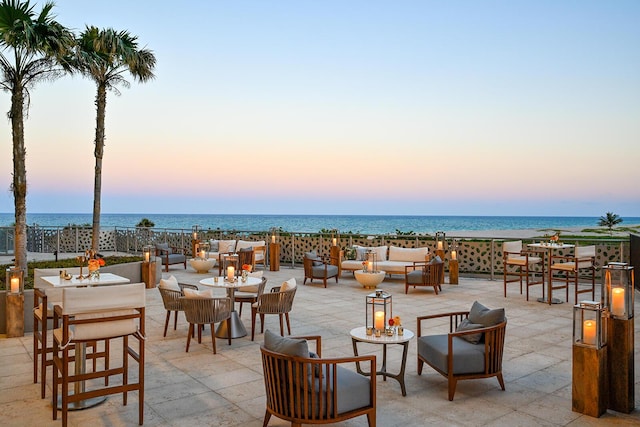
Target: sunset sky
{"points": [[349, 107]]}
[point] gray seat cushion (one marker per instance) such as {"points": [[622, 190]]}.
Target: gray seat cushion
{"points": [[354, 390], [318, 270], [467, 358], [415, 277], [175, 258]]}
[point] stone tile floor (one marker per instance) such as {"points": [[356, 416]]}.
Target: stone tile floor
{"points": [[226, 389]]}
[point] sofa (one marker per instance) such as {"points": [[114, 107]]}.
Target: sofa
{"points": [[392, 259], [218, 247]]}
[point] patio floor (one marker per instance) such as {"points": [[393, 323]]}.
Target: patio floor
{"points": [[202, 389]]}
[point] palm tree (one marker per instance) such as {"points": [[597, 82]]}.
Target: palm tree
{"points": [[609, 220], [31, 50], [105, 56]]}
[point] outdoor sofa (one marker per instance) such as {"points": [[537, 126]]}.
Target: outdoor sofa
{"points": [[392, 259]]}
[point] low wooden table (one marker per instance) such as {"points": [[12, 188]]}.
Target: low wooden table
{"points": [[202, 266], [369, 280], [360, 334]]}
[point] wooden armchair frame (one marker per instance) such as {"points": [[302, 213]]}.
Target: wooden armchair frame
{"points": [[206, 311], [164, 255], [299, 401], [493, 349], [171, 301], [432, 275], [273, 302], [326, 262]]}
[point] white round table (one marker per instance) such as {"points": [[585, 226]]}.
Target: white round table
{"points": [[360, 334], [369, 280], [202, 265], [236, 328]]}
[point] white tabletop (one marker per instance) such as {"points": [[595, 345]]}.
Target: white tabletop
{"points": [[360, 334], [211, 281], [104, 279], [545, 245]]}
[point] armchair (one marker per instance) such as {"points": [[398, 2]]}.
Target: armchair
{"points": [[423, 273], [170, 255], [319, 267], [171, 291], [279, 301], [302, 388], [472, 349]]}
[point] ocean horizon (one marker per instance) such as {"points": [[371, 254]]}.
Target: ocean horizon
{"points": [[369, 224]]}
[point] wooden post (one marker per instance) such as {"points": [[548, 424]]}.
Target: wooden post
{"points": [[336, 257], [590, 382], [15, 315], [274, 256], [440, 253], [621, 365], [453, 271], [194, 247], [149, 274]]}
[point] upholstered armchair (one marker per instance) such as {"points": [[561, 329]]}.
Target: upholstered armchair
{"points": [[424, 274], [473, 348], [170, 255], [304, 388], [317, 267]]}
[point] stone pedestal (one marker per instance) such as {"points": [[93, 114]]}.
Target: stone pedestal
{"points": [[149, 274], [274, 257], [590, 383], [620, 362], [15, 315], [453, 271]]}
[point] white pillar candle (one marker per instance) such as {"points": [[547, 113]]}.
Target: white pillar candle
{"points": [[202, 254], [379, 320], [370, 266], [454, 255], [589, 332], [440, 247], [231, 272], [146, 257], [195, 235], [273, 239], [334, 242], [15, 285], [617, 301]]}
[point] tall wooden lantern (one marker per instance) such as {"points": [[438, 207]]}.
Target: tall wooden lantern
{"points": [[15, 302], [453, 263], [440, 244], [590, 383], [149, 266], [618, 300], [274, 250], [195, 241], [335, 253]]}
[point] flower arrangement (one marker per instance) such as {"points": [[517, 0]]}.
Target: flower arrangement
{"points": [[555, 238], [94, 264], [395, 321], [246, 269], [364, 266]]}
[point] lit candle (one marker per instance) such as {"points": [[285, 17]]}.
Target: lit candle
{"points": [[454, 255], [202, 254], [15, 285], [195, 235], [273, 239], [370, 266], [231, 272], [334, 242], [440, 247], [589, 332], [146, 257], [617, 301], [379, 320]]}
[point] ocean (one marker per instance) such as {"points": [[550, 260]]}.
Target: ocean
{"points": [[366, 224]]}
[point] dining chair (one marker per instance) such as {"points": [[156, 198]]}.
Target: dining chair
{"points": [[513, 256], [227, 259], [246, 256], [90, 314], [250, 294], [260, 256], [584, 258], [203, 310], [171, 291], [278, 301]]}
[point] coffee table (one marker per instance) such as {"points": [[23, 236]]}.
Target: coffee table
{"points": [[360, 334], [369, 280], [202, 265]]}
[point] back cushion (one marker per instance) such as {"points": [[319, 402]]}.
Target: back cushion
{"points": [[361, 252], [284, 345], [484, 316], [407, 254], [226, 246], [214, 245], [515, 246], [192, 293], [169, 283], [289, 284]]}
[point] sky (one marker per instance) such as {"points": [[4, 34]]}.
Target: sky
{"points": [[349, 107]]}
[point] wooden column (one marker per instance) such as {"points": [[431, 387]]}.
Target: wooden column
{"points": [[440, 253], [274, 256], [621, 365], [194, 247], [590, 383], [149, 274], [336, 257], [453, 271], [15, 315]]}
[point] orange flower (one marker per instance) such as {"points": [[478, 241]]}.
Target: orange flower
{"points": [[391, 321], [93, 264], [555, 238], [246, 267], [101, 261]]}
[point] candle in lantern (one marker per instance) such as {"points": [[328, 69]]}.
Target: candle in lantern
{"points": [[440, 247], [273, 239], [589, 332], [15, 285], [231, 272], [334, 242], [195, 235], [454, 255], [146, 257], [202, 254], [379, 320], [370, 266], [617, 301]]}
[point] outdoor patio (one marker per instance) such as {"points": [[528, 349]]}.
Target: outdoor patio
{"points": [[202, 389]]}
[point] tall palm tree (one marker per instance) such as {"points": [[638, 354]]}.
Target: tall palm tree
{"points": [[609, 220], [32, 46], [105, 56]]}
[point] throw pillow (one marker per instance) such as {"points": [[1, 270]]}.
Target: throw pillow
{"points": [[288, 285], [284, 345], [192, 293], [163, 248], [226, 246], [169, 283], [214, 245], [314, 256], [485, 316], [436, 260], [249, 249], [361, 252], [466, 325]]}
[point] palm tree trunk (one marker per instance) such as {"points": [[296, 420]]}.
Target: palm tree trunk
{"points": [[101, 105], [19, 184]]}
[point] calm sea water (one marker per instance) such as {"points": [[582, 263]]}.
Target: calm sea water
{"points": [[313, 223]]}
